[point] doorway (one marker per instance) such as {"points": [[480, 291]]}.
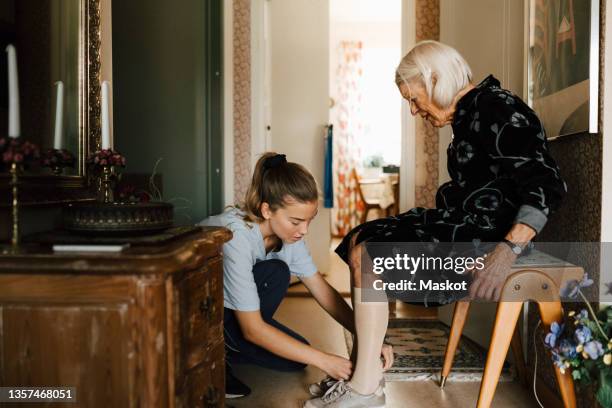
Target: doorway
{"points": [[365, 46], [291, 86]]}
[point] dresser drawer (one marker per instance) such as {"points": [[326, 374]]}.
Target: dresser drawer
{"points": [[204, 385], [200, 312], [217, 372]]}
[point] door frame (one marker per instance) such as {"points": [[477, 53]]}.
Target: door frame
{"points": [[260, 90], [408, 157], [261, 132]]}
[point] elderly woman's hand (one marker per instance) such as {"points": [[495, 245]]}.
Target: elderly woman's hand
{"points": [[488, 282]]}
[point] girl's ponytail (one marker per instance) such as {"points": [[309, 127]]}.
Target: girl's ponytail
{"points": [[274, 181]]}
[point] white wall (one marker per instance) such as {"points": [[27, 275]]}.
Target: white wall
{"points": [[299, 97], [489, 34]]}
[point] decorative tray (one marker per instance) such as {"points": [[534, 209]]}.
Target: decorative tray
{"points": [[117, 218]]}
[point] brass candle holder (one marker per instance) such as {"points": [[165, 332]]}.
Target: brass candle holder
{"points": [[103, 164], [106, 185], [13, 248], [14, 172], [16, 153]]}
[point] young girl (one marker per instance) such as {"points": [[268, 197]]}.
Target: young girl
{"points": [[267, 246]]}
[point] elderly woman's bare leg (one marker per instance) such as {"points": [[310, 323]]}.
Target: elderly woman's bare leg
{"points": [[371, 319]]}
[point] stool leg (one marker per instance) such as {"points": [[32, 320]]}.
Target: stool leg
{"points": [[392, 307], [553, 312], [505, 321], [519, 359], [364, 216], [459, 317]]}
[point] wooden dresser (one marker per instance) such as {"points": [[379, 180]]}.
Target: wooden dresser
{"points": [[141, 328]]}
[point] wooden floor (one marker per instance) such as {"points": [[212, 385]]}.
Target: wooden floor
{"points": [[302, 313]]}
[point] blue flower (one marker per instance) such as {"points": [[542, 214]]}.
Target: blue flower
{"points": [[572, 287], [594, 349], [582, 334], [567, 348], [582, 316], [555, 331], [585, 282], [558, 359]]}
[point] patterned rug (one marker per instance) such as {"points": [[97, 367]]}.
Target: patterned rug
{"points": [[419, 353]]}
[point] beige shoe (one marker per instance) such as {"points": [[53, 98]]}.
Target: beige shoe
{"points": [[320, 388], [341, 395]]}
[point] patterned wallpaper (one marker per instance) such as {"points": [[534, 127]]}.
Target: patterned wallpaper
{"points": [[426, 143], [579, 218], [242, 97]]}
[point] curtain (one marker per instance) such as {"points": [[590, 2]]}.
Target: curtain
{"points": [[348, 207]]}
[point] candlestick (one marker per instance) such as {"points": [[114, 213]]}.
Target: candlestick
{"points": [[106, 142], [14, 129], [59, 116], [15, 205], [107, 181]]}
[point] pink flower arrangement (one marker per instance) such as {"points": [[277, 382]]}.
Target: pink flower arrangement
{"points": [[18, 150], [106, 157], [129, 194], [58, 158]]}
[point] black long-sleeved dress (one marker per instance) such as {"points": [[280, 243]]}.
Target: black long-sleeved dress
{"points": [[501, 174]]}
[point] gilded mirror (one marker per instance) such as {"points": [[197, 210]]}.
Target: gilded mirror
{"points": [[58, 62]]}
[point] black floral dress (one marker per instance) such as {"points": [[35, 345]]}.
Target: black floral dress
{"points": [[501, 174]]}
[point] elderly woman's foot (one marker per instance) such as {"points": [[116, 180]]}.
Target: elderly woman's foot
{"points": [[320, 388], [341, 395]]}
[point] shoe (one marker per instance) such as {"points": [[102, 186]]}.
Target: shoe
{"points": [[341, 395], [320, 388], [234, 388]]}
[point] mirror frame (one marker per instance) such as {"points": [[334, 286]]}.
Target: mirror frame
{"points": [[36, 190]]}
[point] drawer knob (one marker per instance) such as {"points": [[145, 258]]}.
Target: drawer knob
{"points": [[211, 399], [206, 307]]}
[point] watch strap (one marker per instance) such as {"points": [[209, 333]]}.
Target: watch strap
{"points": [[514, 247]]}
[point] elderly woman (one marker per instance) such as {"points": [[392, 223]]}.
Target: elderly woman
{"points": [[504, 185]]}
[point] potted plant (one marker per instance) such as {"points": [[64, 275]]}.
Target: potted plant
{"points": [[582, 344]]}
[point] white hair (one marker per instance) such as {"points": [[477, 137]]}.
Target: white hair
{"points": [[429, 59]]}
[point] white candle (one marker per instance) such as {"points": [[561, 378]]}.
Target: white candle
{"points": [[14, 129], [106, 142], [59, 116]]}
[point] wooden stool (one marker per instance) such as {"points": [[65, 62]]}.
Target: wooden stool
{"points": [[538, 277]]}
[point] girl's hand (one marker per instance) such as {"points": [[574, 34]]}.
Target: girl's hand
{"points": [[489, 281], [387, 355], [339, 368]]}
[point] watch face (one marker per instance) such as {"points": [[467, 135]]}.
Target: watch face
{"points": [[516, 250]]}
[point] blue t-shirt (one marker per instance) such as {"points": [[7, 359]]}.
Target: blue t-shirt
{"points": [[244, 250]]}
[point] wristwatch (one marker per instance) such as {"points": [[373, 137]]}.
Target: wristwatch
{"points": [[514, 247]]}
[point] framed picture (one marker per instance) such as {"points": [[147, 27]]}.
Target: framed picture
{"points": [[562, 72]]}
